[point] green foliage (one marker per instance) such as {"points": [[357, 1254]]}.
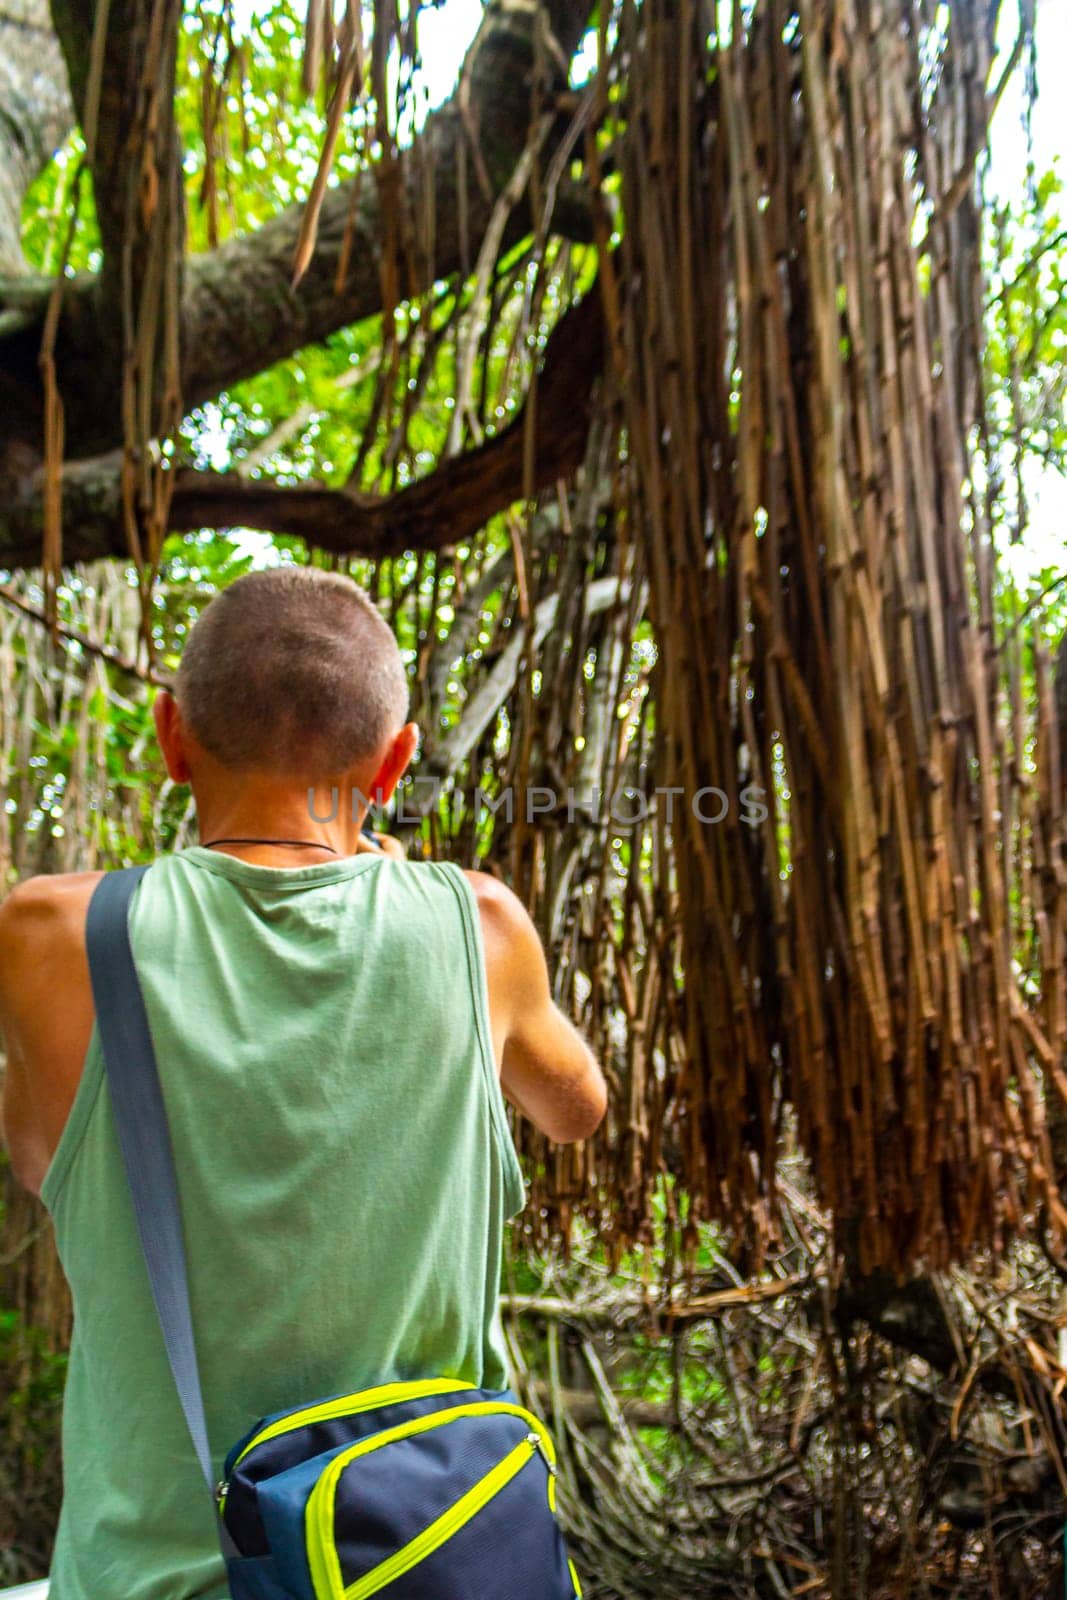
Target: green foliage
{"points": [[38, 1395], [1026, 370], [58, 207], [251, 142]]}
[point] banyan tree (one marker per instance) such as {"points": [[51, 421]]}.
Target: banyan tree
{"points": [[646, 380]]}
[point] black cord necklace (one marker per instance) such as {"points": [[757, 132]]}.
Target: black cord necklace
{"points": [[294, 844]]}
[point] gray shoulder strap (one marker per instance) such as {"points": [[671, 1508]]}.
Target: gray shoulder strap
{"points": [[144, 1138]]}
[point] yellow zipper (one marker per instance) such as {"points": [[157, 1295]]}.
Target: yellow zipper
{"points": [[325, 1566], [346, 1405], [447, 1524]]}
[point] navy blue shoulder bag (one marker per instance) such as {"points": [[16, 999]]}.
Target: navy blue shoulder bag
{"points": [[426, 1490]]}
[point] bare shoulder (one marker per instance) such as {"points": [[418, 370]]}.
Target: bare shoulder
{"points": [[43, 912], [47, 896], [502, 913], [492, 893], [514, 955], [42, 954]]}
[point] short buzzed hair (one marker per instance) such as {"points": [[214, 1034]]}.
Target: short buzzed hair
{"points": [[292, 670]]}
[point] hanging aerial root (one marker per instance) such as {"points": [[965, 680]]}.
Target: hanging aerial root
{"points": [[800, 401]]}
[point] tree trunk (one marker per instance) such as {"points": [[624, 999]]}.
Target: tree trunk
{"points": [[35, 116]]}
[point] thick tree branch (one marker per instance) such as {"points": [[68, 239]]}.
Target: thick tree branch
{"points": [[239, 311], [443, 508], [239, 314]]}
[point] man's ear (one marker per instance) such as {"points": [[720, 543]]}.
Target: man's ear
{"points": [[395, 763], [170, 732]]}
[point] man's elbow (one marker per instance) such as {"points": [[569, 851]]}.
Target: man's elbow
{"points": [[590, 1126], [583, 1115], [26, 1170], [22, 1152]]}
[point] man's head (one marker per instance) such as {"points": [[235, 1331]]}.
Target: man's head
{"points": [[289, 676]]}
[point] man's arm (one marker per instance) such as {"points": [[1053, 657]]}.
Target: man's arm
{"points": [[18, 1125], [547, 1070], [21, 1125], [46, 1014]]}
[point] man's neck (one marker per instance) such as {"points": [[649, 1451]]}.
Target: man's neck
{"points": [[272, 852], [283, 828]]}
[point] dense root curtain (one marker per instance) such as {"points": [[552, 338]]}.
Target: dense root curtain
{"points": [[790, 301], [799, 342]]}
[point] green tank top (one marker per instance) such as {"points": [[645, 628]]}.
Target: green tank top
{"points": [[346, 1170]]}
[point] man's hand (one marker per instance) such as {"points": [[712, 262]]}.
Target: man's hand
{"points": [[381, 844], [546, 1068]]}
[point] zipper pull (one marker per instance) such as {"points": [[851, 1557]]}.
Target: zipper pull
{"points": [[535, 1438], [220, 1493]]}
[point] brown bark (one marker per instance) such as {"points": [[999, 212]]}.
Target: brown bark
{"points": [[239, 311], [444, 508], [140, 44], [35, 115]]}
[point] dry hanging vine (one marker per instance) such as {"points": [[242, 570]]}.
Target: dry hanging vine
{"points": [[801, 388], [782, 476]]}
